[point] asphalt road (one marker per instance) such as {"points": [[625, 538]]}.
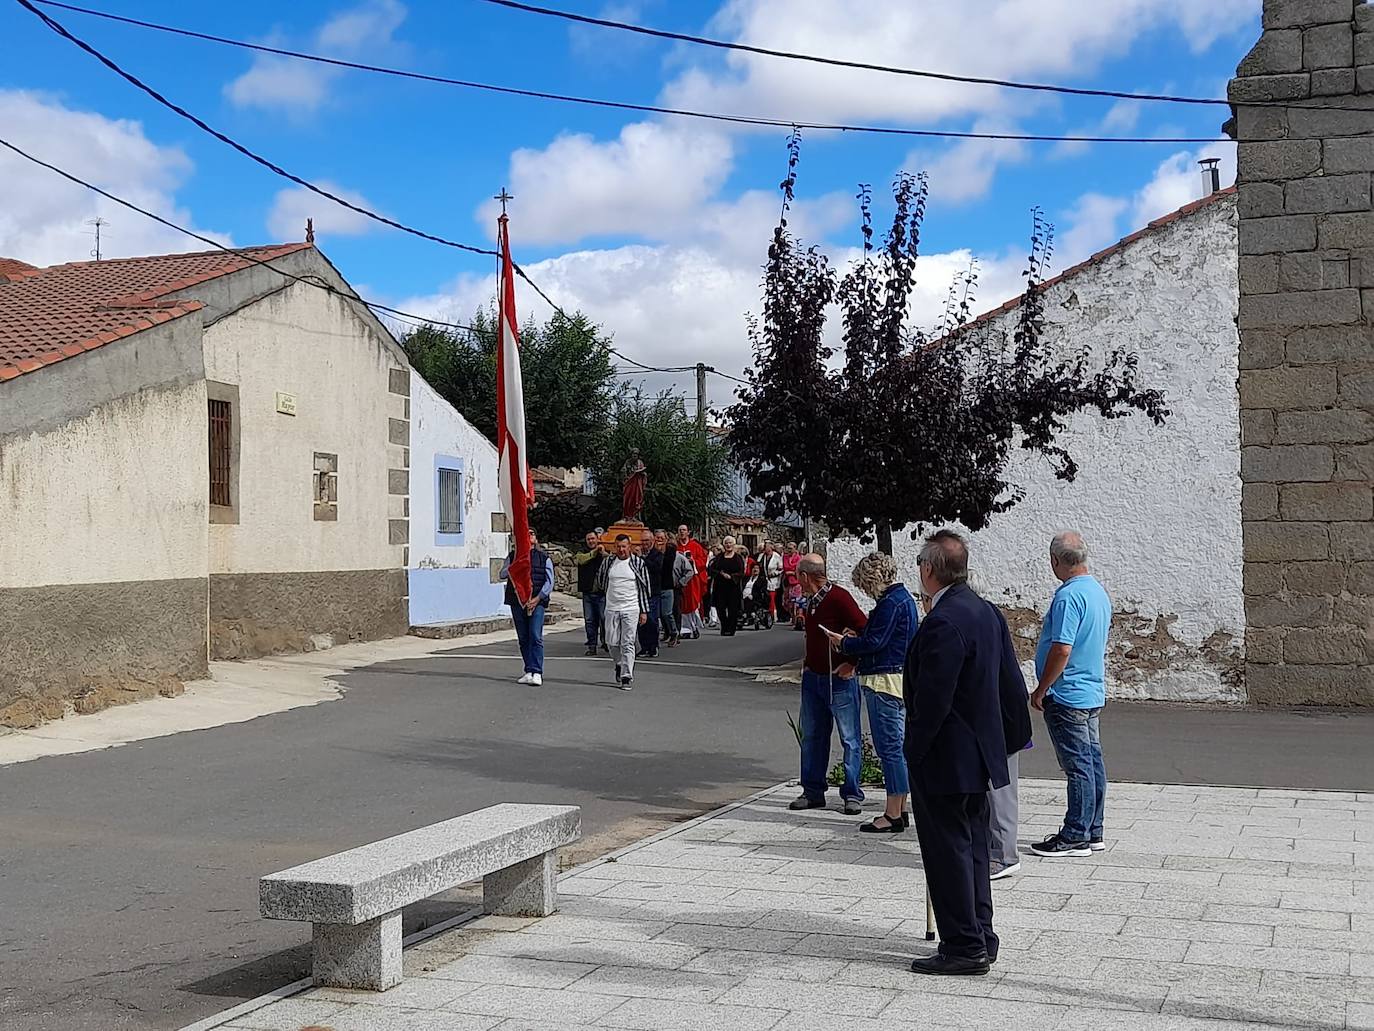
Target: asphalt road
{"points": [[128, 877]]}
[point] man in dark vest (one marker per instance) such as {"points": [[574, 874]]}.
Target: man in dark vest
{"points": [[529, 617], [966, 709]]}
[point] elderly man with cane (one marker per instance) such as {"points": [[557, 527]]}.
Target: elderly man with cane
{"points": [[962, 710]]}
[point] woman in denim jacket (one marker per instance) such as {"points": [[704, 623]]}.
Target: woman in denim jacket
{"points": [[881, 652]]}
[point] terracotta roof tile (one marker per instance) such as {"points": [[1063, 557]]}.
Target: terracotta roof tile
{"points": [[50, 314]]}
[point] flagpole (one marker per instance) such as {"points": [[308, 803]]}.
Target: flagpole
{"points": [[513, 472]]}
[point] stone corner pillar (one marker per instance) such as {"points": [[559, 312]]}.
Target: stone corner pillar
{"points": [[1303, 103]]}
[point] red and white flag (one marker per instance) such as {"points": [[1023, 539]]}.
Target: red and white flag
{"points": [[510, 424]]}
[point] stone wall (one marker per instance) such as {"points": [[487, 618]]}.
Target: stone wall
{"points": [[1304, 113]]}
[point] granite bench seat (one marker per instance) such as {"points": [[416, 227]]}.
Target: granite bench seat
{"points": [[354, 899]]}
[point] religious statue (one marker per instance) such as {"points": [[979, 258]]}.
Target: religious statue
{"points": [[637, 478]]}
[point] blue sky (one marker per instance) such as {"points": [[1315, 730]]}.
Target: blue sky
{"points": [[655, 226]]}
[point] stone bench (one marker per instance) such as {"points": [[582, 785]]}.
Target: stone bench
{"points": [[354, 899]]}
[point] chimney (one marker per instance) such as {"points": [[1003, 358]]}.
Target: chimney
{"points": [[1211, 176]]}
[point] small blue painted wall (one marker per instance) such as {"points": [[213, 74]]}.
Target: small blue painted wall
{"points": [[446, 595]]}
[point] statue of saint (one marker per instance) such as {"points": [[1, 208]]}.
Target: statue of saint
{"points": [[636, 479]]}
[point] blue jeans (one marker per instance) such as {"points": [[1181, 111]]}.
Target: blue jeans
{"points": [[828, 703], [666, 601], [1074, 734], [593, 614], [529, 631], [648, 633], [887, 723]]}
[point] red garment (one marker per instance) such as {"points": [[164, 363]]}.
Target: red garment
{"points": [[695, 591], [838, 611]]}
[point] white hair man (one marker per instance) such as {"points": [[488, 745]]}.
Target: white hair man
{"points": [[1071, 689]]}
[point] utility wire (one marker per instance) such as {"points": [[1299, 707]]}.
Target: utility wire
{"points": [[269, 165], [412, 317], [782, 123], [348, 295], [720, 44]]}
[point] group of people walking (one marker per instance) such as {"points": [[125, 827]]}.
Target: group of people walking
{"points": [[949, 713], [639, 595]]}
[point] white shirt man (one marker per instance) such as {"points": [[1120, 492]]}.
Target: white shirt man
{"points": [[624, 578]]}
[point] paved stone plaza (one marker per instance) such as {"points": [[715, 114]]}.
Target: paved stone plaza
{"points": [[1212, 908]]}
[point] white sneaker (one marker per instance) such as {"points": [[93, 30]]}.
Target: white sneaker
{"points": [[998, 872], [1097, 845], [526, 679], [537, 679]]}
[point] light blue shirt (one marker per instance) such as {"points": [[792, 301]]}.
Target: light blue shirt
{"points": [[1079, 616]]}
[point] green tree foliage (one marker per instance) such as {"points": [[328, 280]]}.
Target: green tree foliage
{"points": [[568, 375], [910, 428], [689, 472]]}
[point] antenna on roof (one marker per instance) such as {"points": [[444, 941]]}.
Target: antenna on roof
{"points": [[1211, 176], [309, 230], [97, 222]]}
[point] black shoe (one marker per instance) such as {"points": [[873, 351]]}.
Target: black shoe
{"points": [[853, 807], [617, 673], [626, 684], [950, 966], [591, 650], [605, 647], [805, 802], [895, 825], [1055, 847], [906, 821]]}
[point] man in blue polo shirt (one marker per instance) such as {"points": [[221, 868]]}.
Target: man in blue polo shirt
{"points": [[1070, 669]]}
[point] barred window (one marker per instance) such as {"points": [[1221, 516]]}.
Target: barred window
{"points": [[221, 451], [450, 501]]}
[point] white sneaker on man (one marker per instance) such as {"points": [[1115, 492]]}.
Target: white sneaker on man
{"points": [[528, 678], [536, 680]]}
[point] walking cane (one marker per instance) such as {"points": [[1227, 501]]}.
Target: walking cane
{"points": [[930, 918]]}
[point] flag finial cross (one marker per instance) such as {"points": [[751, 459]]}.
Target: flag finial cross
{"points": [[503, 197]]}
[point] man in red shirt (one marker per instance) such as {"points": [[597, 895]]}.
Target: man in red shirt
{"points": [[830, 690]]}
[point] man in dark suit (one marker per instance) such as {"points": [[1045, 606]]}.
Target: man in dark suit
{"points": [[966, 708]]}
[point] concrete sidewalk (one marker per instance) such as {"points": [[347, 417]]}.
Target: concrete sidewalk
{"points": [[1213, 908]]}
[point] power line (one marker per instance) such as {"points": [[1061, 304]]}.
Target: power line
{"points": [[351, 296], [758, 121], [399, 313], [840, 63], [271, 166]]}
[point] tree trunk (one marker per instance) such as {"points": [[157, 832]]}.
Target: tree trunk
{"points": [[885, 539]]}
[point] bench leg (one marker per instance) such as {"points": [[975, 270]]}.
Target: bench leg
{"points": [[366, 955], [525, 889]]}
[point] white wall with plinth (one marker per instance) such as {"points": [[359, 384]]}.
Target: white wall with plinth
{"points": [[1159, 505], [450, 577]]}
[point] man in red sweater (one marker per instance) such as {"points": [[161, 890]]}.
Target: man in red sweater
{"points": [[830, 690]]}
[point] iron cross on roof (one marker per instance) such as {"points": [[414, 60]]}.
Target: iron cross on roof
{"points": [[503, 197]]}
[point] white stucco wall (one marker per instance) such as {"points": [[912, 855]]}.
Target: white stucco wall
{"points": [[450, 574], [1159, 506], [102, 479], [308, 343]]}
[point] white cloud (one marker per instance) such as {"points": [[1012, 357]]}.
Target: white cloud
{"points": [[293, 206], [649, 181], [965, 171], [1092, 225], [1178, 180], [42, 220], [1064, 39], [298, 87]]}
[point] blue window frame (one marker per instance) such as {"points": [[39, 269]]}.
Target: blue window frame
{"points": [[449, 500]]}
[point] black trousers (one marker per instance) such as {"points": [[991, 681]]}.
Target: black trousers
{"points": [[953, 832], [729, 602]]}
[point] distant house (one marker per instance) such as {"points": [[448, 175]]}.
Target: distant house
{"points": [[203, 457], [1160, 506]]}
